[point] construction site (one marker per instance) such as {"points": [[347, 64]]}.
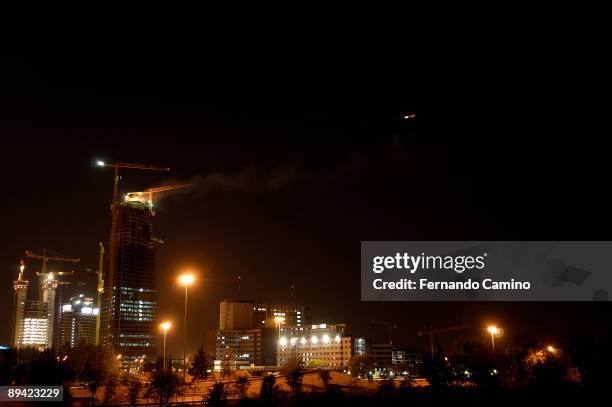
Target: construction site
{"points": [[124, 312]]}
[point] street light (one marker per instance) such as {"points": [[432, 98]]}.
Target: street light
{"points": [[186, 280], [493, 330], [165, 326]]}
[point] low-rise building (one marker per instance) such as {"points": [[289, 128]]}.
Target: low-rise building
{"points": [[320, 345], [245, 347]]}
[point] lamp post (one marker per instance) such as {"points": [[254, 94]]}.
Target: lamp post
{"points": [[186, 280], [165, 326], [493, 330]]}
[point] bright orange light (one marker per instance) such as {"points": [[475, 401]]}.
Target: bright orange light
{"points": [[279, 320], [493, 330], [165, 326], [551, 349], [187, 279]]}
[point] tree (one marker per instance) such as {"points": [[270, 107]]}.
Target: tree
{"points": [[95, 365], [361, 365], [163, 387], [202, 364], [268, 388], [217, 395], [228, 363], [293, 369], [242, 384], [325, 377], [133, 388], [109, 389], [436, 370]]}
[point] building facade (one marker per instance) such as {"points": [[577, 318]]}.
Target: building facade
{"points": [[320, 345], [34, 332], [78, 322], [20, 295], [129, 318], [293, 315], [236, 314], [406, 361], [48, 287], [245, 347]]}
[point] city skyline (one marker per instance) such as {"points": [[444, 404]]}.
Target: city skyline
{"points": [[286, 182]]}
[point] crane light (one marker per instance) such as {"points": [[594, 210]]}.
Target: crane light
{"points": [[100, 163]]}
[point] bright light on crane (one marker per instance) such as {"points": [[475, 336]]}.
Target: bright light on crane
{"points": [[100, 163]]}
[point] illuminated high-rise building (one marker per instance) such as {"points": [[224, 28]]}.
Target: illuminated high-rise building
{"points": [[19, 303], [129, 309], [48, 289], [78, 322], [34, 332]]}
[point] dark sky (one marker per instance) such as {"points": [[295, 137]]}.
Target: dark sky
{"points": [[296, 157]]}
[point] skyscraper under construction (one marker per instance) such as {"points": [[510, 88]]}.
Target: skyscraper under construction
{"points": [[130, 292]]}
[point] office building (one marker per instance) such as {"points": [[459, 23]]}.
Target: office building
{"points": [[293, 315], [381, 353], [406, 361], [129, 319], [246, 347], [236, 314], [319, 345], [78, 322], [34, 332]]}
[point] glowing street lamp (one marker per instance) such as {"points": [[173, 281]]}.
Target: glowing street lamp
{"points": [[551, 349], [493, 330], [278, 321], [165, 326], [186, 280]]}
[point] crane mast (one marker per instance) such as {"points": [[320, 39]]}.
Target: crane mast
{"points": [[100, 290]]}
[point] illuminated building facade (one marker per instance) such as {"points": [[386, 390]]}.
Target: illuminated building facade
{"points": [[320, 345], [20, 295], [48, 288], [34, 332], [293, 315], [248, 347], [78, 322], [130, 292]]}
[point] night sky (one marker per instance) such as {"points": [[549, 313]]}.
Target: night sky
{"points": [[294, 158]]}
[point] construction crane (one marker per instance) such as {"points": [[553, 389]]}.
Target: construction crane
{"points": [[146, 196], [100, 290], [116, 166], [433, 331], [390, 325], [43, 274]]}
